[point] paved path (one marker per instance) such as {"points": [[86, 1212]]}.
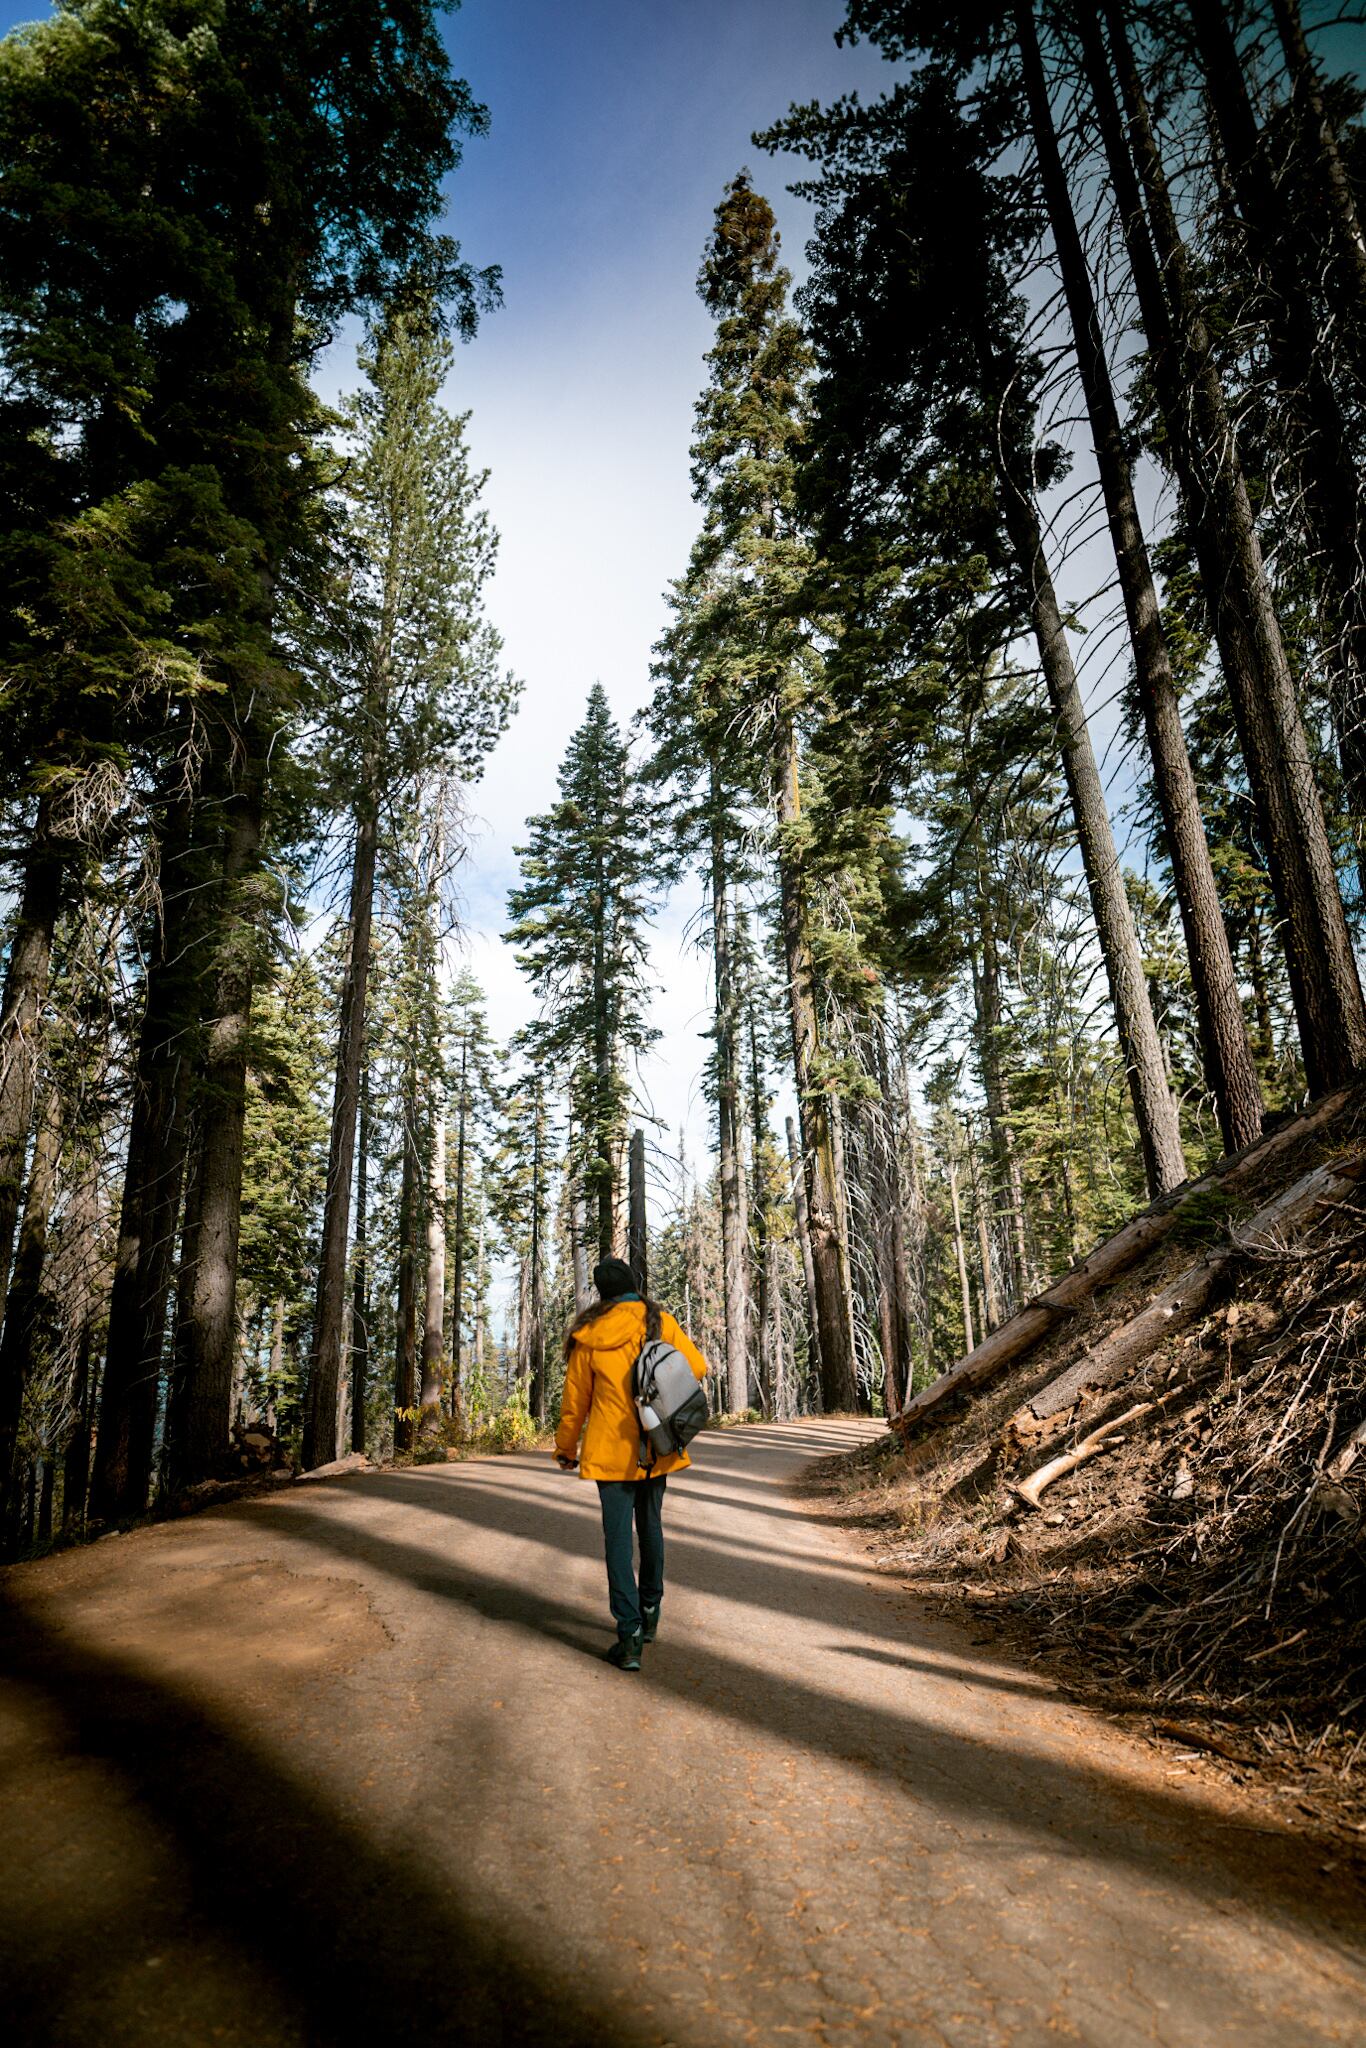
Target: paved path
{"points": [[344, 1765]]}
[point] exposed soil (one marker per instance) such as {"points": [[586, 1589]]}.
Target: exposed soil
{"points": [[1204, 1578]]}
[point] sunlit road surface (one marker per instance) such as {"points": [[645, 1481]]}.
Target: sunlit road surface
{"points": [[345, 1764]]}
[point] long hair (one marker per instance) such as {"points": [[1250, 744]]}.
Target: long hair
{"points": [[588, 1315]]}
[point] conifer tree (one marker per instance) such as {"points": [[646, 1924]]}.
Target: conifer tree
{"points": [[422, 686], [192, 198], [753, 560], [522, 1194], [923, 474], [475, 1103], [710, 774], [1228, 1053], [579, 923], [283, 1162]]}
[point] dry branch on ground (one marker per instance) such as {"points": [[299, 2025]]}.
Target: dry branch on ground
{"points": [[1199, 1549]]}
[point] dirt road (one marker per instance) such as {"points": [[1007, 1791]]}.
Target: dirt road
{"points": [[344, 1765]]}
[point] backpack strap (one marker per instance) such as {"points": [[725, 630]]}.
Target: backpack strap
{"points": [[645, 1450]]}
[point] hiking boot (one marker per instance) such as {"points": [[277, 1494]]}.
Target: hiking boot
{"points": [[650, 1630], [625, 1653]]}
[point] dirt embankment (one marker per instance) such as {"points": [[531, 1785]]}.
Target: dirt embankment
{"points": [[1201, 1571]]}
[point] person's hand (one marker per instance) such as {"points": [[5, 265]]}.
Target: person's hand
{"points": [[566, 1464]]}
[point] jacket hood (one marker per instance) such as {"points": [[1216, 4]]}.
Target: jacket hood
{"points": [[621, 1325]]}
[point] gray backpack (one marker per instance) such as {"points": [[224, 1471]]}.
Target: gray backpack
{"points": [[670, 1400]]}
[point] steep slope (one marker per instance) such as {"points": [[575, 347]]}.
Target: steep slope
{"points": [[1163, 1495]]}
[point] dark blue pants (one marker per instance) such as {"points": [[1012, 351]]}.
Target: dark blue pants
{"points": [[638, 1501]]}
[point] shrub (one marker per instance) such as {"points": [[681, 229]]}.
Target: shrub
{"points": [[511, 1429]]}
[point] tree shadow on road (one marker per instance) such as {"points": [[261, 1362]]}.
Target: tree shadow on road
{"points": [[994, 1679], [1175, 1839], [352, 1941], [700, 1560]]}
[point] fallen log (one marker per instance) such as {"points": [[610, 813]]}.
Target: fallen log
{"points": [[1178, 1305], [354, 1461], [1124, 1249], [1200, 1738], [1342, 1464], [1029, 1490]]}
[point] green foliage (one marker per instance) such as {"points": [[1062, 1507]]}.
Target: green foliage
{"points": [[285, 1135], [407, 668], [512, 1428], [579, 926], [743, 1420], [1205, 1219]]}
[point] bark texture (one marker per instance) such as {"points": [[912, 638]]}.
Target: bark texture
{"points": [[824, 1195], [201, 1411], [734, 1262], [1230, 1070], [21, 1019], [1324, 984], [153, 1179], [324, 1371]]}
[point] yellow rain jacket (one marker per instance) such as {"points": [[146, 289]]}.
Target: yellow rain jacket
{"points": [[597, 1393]]}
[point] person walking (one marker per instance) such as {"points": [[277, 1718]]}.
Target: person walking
{"points": [[600, 1348]]}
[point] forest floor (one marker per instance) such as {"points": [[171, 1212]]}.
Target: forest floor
{"points": [[343, 1762], [1202, 1579]]}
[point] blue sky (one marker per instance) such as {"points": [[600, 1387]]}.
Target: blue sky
{"points": [[615, 125]]}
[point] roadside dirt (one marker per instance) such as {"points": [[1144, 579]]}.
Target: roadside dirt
{"points": [[1202, 1579], [345, 1761]]}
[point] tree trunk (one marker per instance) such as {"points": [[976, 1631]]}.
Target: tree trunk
{"points": [[638, 1243], [905, 1314], [766, 1369], [153, 1178], [1101, 1267], [578, 1230], [1335, 185], [1320, 962], [458, 1257], [405, 1319], [319, 1444], [824, 1195], [522, 1370], [886, 1323], [602, 1134], [1230, 1069], [803, 1222], [536, 1332], [199, 1421], [960, 1251], [884, 1172], [21, 1019], [1154, 1113], [76, 1460], [842, 1217], [1105, 1364], [990, 1017], [734, 1266], [434, 1300], [360, 1284], [24, 1305], [480, 1285], [782, 1379], [1330, 485], [276, 1363], [991, 1305]]}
